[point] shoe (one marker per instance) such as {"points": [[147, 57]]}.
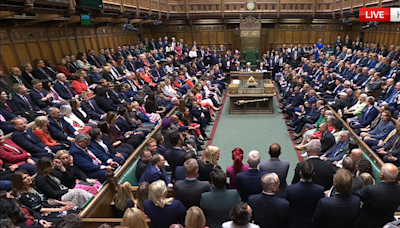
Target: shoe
{"points": [[208, 138], [291, 129], [299, 141], [200, 142], [295, 138], [289, 124], [206, 130], [304, 155]]}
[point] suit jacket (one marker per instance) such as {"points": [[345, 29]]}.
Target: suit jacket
{"points": [[47, 186], [327, 141], [10, 156], [23, 79], [37, 98], [218, 213], [303, 198], [248, 183], [340, 210], [106, 104], [175, 157], [40, 75], [58, 132], [101, 59], [140, 168], [83, 161], [336, 152], [368, 117], [152, 174], [189, 191], [323, 172], [6, 84], [30, 143], [95, 146], [80, 115], [270, 211], [380, 203], [279, 167], [95, 112], [22, 105], [62, 91], [381, 130], [124, 125]]}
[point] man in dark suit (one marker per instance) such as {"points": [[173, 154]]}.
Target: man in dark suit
{"points": [[341, 209], [337, 151], [270, 210], [298, 125], [90, 107], [343, 102], [27, 140], [62, 87], [16, 77], [175, 155], [92, 163], [143, 163], [369, 114], [303, 197], [189, 190], [39, 72], [274, 165], [327, 139], [39, 96], [380, 200], [248, 183], [24, 103], [59, 128], [155, 171], [323, 169], [218, 213]]}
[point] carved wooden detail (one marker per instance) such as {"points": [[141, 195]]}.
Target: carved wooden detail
{"points": [[250, 23]]}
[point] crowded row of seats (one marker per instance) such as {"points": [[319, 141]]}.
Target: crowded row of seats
{"points": [[69, 127]]}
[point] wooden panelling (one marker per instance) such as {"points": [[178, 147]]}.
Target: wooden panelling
{"points": [[304, 37], [213, 38], [9, 61], [296, 37], [288, 37], [204, 38], [188, 38], [221, 38], [26, 44]]}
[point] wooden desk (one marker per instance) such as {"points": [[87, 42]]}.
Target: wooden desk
{"points": [[260, 107]]}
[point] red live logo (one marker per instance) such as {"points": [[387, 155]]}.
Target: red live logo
{"points": [[375, 14]]}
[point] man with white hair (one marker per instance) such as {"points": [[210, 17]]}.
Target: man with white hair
{"points": [[323, 169], [248, 183], [248, 67], [343, 102], [270, 210], [380, 200]]}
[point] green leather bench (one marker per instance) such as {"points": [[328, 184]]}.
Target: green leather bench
{"points": [[130, 175], [375, 169]]}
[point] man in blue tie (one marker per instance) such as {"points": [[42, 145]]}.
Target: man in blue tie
{"points": [[337, 152]]}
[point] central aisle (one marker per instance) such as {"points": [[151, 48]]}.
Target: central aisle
{"points": [[253, 132]]}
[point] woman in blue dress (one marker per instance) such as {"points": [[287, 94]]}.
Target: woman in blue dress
{"points": [[320, 47]]}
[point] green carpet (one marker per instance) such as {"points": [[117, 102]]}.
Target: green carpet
{"points": [[253, 132]]}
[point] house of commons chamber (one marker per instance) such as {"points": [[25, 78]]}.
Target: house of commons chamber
{"points": [[199, 114]]}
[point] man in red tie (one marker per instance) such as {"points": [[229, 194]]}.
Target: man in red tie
{"points": [[24, 102]]}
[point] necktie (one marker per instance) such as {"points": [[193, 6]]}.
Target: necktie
{"points": [[95, 160], [4, 81], [62, 126], [394, 144], [2, 118], [389, 136], [91, 105], [8, 107], [67, 89], [97, 64], [44, 72], [27, 101]]}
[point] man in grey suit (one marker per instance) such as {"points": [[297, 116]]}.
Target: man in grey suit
{"points": [[189, 191], [217, 203], [274, 165]]}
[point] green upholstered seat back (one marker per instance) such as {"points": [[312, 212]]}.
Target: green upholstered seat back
{"points": [[130, 175], [375, 169], [250, 56]]}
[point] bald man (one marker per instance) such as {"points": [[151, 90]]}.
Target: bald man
{"points": [[380, 200], [356, 155]]}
